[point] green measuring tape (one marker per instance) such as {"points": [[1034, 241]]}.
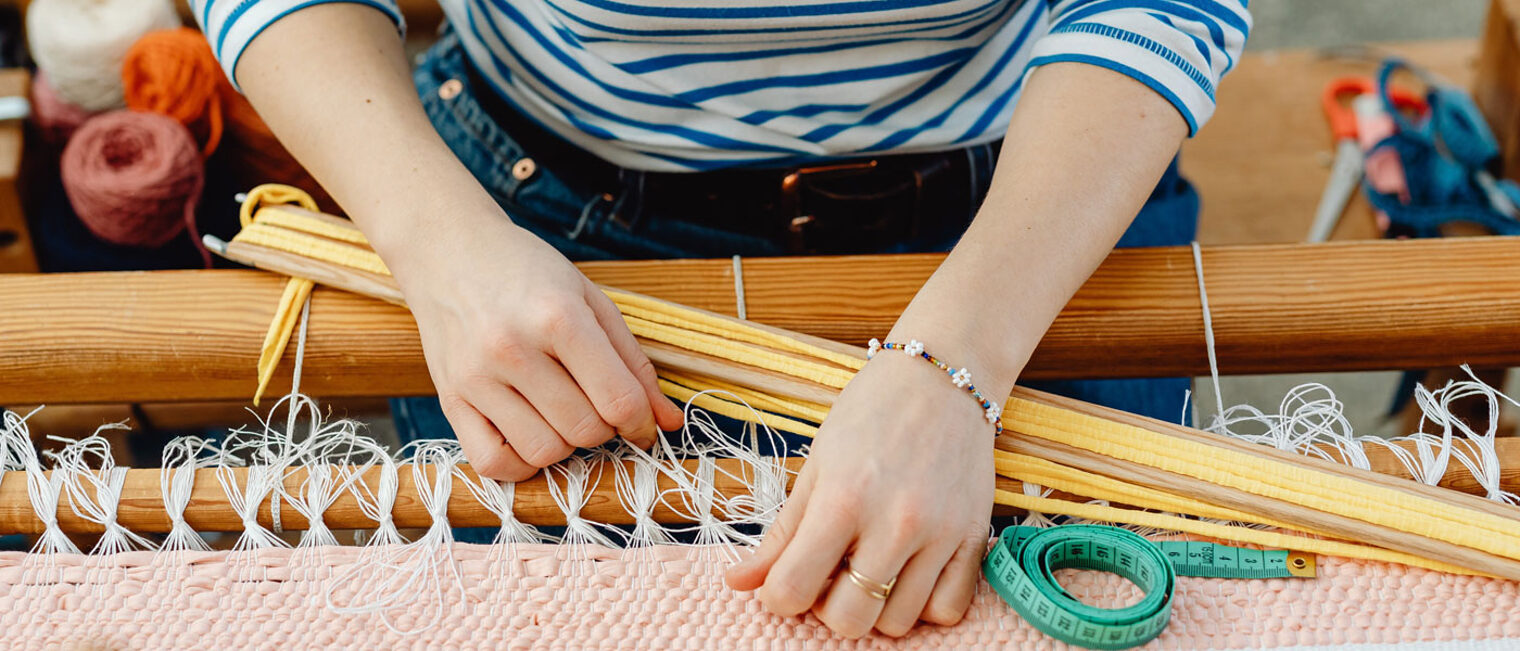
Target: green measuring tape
{"points": [[1021, 566]]}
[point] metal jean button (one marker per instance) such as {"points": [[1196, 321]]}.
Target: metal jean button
{"points": [[524, 168]]}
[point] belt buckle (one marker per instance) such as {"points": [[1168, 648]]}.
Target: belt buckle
{"points": [[791, 196]]}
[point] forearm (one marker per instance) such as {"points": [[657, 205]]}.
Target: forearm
{"points": [[1084, 149], [332, 82]]}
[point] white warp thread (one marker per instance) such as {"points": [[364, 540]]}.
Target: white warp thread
{"points": [[1208, 329], [176, 479], [739, 307], [99, 503]]}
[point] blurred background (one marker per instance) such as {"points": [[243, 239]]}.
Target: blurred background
{"points": [[1319, 23]]}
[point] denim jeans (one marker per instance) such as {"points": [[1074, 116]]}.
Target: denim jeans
{"points": [[572, 217]]}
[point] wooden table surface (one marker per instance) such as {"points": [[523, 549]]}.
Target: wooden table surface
{"points": [[1261, 163]]}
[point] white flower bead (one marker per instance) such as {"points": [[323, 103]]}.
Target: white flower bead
{"points": [[961, 378], [993, 413], [914, 348], [873, 347]]}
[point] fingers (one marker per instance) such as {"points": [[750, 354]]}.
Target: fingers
{"points": [[957, 584], [483, 444], [750, 573], [562, 404], [914, 585], [583, 347], [809, 559], [854, 603], [666, 413], [524, 431]]}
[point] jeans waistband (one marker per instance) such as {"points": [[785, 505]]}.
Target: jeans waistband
{"points": [[834, 206]]}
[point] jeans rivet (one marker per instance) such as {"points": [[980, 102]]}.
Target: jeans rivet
{"points": [[524, 168], [450, 89]]}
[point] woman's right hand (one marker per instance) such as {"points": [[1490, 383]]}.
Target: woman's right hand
{"points": [[531, 360]]}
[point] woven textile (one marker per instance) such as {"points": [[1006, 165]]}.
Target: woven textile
{"points": [[666, 597]]}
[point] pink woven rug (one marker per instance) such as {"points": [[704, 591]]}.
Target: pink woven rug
{"points": [[664, 598]]}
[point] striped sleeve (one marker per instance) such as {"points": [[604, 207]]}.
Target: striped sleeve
{"points": [[230, 25], [1179, 48]]}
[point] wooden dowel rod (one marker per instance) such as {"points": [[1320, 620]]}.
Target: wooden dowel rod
{"points": [[778, 384], [142, 507], [75, 421], [1457, 476], [195, 335], [290, 264]]}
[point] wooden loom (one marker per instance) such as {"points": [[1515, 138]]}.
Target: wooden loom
{"points": [[1264, 299]]}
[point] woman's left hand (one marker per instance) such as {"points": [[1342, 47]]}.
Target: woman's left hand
{"points": [[899, 485]]}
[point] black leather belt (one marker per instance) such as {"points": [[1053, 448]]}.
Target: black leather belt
{"points": [[834, 207]]}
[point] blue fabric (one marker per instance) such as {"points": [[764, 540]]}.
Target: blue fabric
{"points": [[572, 217], [1441, 154]]}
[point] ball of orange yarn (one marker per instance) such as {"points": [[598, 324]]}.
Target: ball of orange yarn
{"points": [[173, 72], [133, 178]]}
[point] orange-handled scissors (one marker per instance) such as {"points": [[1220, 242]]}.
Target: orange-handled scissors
{"points": [[1346, 172], [1337, 106]]}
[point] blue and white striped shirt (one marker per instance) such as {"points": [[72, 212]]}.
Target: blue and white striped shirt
{"points": [[674, 85]]}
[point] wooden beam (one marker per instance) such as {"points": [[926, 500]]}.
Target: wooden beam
{"points": [[195, 335]]}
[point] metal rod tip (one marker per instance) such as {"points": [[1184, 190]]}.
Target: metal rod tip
{"points": [[216, 244]]}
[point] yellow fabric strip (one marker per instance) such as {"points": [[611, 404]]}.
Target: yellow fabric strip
{"points": [[739, 352], [280, 328], [305, 245], [1100, 513], [275, 217], [661, 312], [273, 194], [1257, 475], [736, 411]]}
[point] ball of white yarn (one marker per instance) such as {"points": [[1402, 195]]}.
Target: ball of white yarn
{"points": [[80, 44]]}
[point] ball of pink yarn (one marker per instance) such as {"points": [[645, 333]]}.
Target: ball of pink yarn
{"points": [[54, 116], [133, 178]]}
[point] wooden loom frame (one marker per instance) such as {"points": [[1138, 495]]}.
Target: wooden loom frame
{"points": [[195, 335]]}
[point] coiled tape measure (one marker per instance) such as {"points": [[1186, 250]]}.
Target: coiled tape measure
{"points": [[1022, 563]]}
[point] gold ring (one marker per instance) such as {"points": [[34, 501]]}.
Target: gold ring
{"points": [[874, 588]]}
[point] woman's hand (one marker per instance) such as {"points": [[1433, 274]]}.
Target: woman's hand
{"points": [[899, 485], [530, 359]]}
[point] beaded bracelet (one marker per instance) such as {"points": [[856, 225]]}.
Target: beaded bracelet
{"points": [[960, 377]]}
